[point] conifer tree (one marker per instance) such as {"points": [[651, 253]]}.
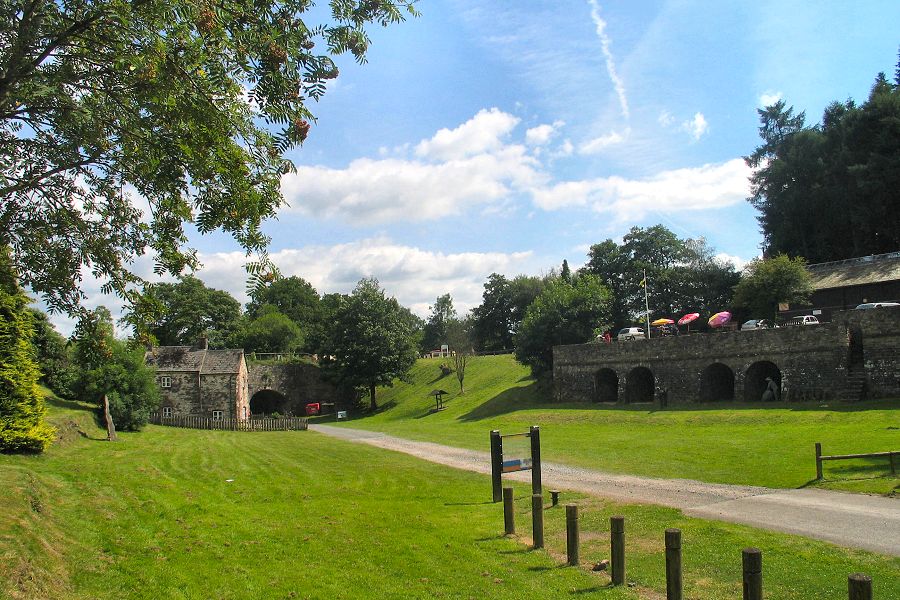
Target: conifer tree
{"points": [[22, 426]]}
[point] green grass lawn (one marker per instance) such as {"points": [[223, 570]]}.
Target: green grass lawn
{"points": [[736, 443], [175, 513]]}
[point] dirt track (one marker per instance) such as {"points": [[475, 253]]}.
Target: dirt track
{"points": [[853, 520]]}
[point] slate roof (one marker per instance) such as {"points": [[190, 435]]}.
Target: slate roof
{"points": [[187, 358], [856, 271]]}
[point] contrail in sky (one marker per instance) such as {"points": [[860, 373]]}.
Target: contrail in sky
{"points": [[605, 43]]}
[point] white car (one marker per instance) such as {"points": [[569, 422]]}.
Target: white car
{"points": [[802, 320], [630, 333], [869, 305]]}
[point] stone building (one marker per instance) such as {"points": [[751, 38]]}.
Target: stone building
{"points": [[197, 381]]}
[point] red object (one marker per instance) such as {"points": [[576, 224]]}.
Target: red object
{"points": [[313, 408], [719, 319], [607, 337], [688, 318]]}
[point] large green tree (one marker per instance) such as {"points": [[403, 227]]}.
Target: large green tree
{"points": [[435, 331], [565, 312], [53, 355], [188, 310], [830, 191], [22, 426], [191, 105], [270, 331], [299, 301], [115, 369], [370, 340], [766, 283], [502, 310]]}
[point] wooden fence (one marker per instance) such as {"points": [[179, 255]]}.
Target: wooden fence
{"points": [[231, 424], [888, 455]]}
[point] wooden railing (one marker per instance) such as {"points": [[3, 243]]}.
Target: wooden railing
{"points": [[232, 424], [888, 455]]}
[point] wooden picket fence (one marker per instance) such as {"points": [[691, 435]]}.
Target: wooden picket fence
{"points": [[232, 424]]}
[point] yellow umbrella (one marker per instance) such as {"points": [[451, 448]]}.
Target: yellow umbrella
{"points": [[659, 322]]}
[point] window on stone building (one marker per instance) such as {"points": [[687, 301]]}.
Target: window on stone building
{"points": [[217, 414], [165, 382], [167, 411]]}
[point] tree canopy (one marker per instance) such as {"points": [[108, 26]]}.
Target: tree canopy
{"points": [[121, 121], [370, 340], [188, 310], [270, 331], [766, 283], [830, 191], [298, 300], [435, 331]]}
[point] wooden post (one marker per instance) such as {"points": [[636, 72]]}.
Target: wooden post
{"points": [[509, 518], [617, 549], [554, 497], [859, 586], [893, 465], [752, 558], [110, 426], [496, 465], [572, 533], [818, 461], [537, 520], [673, 564], [535, 434]]}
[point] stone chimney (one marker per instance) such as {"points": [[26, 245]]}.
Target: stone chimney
{"points": [[203, 343]]}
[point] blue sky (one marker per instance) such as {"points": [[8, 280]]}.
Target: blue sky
{"points": [[499, 135]]}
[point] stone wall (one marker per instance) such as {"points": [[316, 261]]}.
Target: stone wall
{"points": [[299, 383], [183, 393], [855, 355]]}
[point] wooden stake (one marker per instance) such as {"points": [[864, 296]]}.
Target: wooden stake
{"points": [[752, 559], [572, 533], [509, 517], [617, 549], [673, 565], [537, 520], [859, 586]]}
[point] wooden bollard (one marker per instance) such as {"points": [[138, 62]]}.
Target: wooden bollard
{"points": [[509, 517], [572, 533], [537, 520], [617, 549], [818, 461], [859, 586], [554, 497], [673, 564], [752, 558]]}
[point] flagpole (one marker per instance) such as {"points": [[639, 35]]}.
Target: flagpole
{"points": [[646, 305]]}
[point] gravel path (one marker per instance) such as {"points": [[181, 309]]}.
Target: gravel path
{"points": [[853, 520]]}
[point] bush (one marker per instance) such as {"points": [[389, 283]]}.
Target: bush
{"points": [[22, 410]]}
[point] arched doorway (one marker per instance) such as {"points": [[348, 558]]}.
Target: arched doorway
{"points": [[267, 402], [716, 383], [606, 386], [639, 386], [755, 380]]}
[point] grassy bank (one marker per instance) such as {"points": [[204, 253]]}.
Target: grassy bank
{"points": [[171, 513], [736, 443]]}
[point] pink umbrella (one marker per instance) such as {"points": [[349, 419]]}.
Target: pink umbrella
{"points": [[719, 319], [688, 318]]}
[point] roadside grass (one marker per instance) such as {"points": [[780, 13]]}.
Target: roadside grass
{"points": [[176, 513], [737, 443]]}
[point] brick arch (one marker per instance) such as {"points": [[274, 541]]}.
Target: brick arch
{"points": [[640, 385], [268, 401], [606, 386], [755, 380], [717, 383]]}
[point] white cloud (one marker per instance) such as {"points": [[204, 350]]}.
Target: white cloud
{"points": [[605, 44], [706, 187], [565, 149], [696, 126], [738, 262], [482, 133], [540, 135], [768, 98], [602, 142], [665, 118]]}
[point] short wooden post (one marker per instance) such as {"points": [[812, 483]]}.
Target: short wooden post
{"points": [[818, 461], [752, 558], [572, 533], [537, 520], [617, 549], [893, 464], [859, 586], [496, 465], [534, 434], [673, 564], [509, 518], [554, 497]]}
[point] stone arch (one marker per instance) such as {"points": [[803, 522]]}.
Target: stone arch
{"points": [[606, 386], [266, 402], [856, 355], [716, 383], [640, 385], [755, 383]]}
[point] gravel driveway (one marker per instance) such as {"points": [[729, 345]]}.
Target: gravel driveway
{"points": [[852, 520]]}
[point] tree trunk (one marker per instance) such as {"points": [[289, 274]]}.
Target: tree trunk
{"points": [[110, 426], [373, 407]]}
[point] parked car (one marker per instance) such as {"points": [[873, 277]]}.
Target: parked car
{"points": [[758, 324], [630, 333], [868, 305], [802, 320]]}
